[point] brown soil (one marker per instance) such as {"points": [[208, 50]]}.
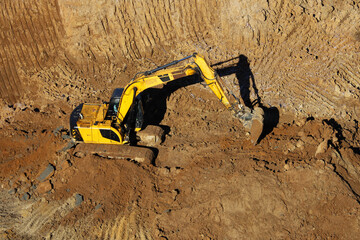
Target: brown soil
{"points": [[298, 59]]}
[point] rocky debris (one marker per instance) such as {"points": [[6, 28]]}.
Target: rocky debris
{"points": [[322, 147], [25, 196], [348, 167], [44, 187], [68, 146], [151, 135], [12, 191], [6, 112], [300, 122], [78, 199], [23, 178], [79, 154], [300, 144], [19, 106], [66, 136], [48, 172], [58, 130]]}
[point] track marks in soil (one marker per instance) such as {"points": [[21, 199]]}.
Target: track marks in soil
{"points": [[286, 60], [42, 215], [32, 219], [138, 28], [348, 73], [9, 211], [125, 227], [29, 38]]}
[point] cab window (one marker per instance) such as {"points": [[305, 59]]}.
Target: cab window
{"points": [[109, 134]]}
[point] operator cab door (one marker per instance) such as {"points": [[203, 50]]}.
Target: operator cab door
{"points": [[109, 136], [114, 104]]}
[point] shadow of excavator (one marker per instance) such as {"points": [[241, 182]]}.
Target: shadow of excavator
{"points": [[155, 100], [246, 81]]}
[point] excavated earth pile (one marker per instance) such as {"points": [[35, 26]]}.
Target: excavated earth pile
{"points": [[298, 60]]}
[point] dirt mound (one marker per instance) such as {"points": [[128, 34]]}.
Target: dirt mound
{"points": [[297, 60]]}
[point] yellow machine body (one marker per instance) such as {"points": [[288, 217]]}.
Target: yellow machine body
{"points": [[94, 129], [110, 123]]}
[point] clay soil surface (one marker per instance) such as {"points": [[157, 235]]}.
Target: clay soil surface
{"points": [[298, 60]]}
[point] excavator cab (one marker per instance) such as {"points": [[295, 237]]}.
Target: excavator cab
{"points": [[135, 117], [114, 104]]}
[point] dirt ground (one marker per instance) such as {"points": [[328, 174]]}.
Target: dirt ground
{"points": [[299, 60]]}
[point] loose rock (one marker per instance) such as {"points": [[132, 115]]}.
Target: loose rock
{"points": [[78, 199], [44, 187], [49, 171], [25, 197], [323, 146]]}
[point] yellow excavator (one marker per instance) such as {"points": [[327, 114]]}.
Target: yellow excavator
{"points": [[107, 129]]}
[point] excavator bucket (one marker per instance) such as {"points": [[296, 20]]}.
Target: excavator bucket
{"points": [[252, 120], [257, 125]]}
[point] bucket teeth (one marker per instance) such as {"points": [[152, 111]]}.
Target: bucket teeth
{"points": [[257, 125], [253, 122], [255, 131]]}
